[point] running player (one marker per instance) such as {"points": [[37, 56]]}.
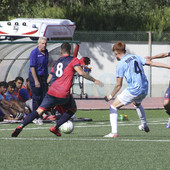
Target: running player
{"points": [[167, 93], [59, 91], [131, 67]]}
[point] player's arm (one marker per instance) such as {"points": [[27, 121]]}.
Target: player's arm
{"points": [[161, 55], [6, 104], [37, 83], [116, 89], [157, 64], [85, 75], [49, 78]]}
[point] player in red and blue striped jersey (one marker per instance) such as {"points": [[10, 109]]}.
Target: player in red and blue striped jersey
{"points": [[59, 91]]}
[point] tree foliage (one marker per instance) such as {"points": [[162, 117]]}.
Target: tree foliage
{"points": [[95, 15]]}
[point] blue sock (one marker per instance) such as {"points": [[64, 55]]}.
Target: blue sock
{"points": [[63, 119], [34, 114]]}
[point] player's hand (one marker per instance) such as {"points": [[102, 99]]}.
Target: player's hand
{"points": [[106, 98], [99, 83], [37, 84], [148, 58]]}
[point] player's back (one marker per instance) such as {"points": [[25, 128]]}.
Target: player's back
{"points": [[63, 72], [134, 74]]}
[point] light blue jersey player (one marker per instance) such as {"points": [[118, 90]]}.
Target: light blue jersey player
{"points": [[131, 67]]}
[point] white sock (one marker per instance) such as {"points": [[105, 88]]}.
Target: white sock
{"points": [[142, 116], [113, 119]]}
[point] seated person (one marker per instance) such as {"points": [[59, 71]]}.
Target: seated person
{"points": [[9, 96], [25, 95], [8, 108], [18, 84]]}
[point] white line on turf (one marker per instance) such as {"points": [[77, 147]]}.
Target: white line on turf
{"points": [[84, 139], [89, 126]]}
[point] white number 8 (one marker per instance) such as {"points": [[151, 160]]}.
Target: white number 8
{"points": [[59, 71]]}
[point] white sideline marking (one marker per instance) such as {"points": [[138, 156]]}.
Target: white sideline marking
{"points": [[84, 139], [88, 126]]}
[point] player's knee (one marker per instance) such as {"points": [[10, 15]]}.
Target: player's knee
{"points": [[136, 104], [72, 111], [113, 109]]}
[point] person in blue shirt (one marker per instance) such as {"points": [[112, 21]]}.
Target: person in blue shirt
{"points": [[7, 107], [129, 66], [9, 95], [38, 72]]}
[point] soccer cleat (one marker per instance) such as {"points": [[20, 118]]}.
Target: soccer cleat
{"points": [[111, 135], [55, 131], [146, 128], [38, 121], [168, 125], [17, 131], [19, 116]]}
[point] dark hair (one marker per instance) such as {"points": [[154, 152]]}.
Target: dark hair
{"points": [[12, 84], [19, 78], [65, 48], [3, 83], [87, 60]]}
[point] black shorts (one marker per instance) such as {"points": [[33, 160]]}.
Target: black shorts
{"points": [[51, 101]]}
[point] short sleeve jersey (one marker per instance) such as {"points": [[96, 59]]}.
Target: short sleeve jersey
{"points": [[39, 61], [131, 67], [9, 96], [1, 96], [63, 72]]}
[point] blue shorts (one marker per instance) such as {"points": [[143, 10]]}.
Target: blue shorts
{"points": [[51, 101]]}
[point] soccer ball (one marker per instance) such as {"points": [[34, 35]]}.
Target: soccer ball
{"points": [[67, 127]]}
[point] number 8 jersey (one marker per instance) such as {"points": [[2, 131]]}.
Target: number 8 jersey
{"points": [[131, 67], [63, 73]]}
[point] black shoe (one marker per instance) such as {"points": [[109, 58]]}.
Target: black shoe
{"points": [[17, 131], [146, 129]]}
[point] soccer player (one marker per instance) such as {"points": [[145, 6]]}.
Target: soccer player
{"points": [[167, 93], [131, 67], [59, 91]]}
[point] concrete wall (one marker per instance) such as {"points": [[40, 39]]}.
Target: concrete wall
{"points": [[15, 62], [103, 65]]}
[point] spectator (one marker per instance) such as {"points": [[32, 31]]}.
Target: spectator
{"points": [[25, 94], [8, 108], [9, 96], [18, 84]]}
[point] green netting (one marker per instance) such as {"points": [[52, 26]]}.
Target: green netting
{"points": [[99, 36]]}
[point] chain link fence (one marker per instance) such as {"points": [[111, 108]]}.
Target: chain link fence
{"points": [[108, 36]]}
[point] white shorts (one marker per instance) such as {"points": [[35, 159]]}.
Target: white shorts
{"points": [[126, 98]]}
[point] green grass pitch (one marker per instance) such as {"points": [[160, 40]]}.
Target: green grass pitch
{"points": [[85, 148]]}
